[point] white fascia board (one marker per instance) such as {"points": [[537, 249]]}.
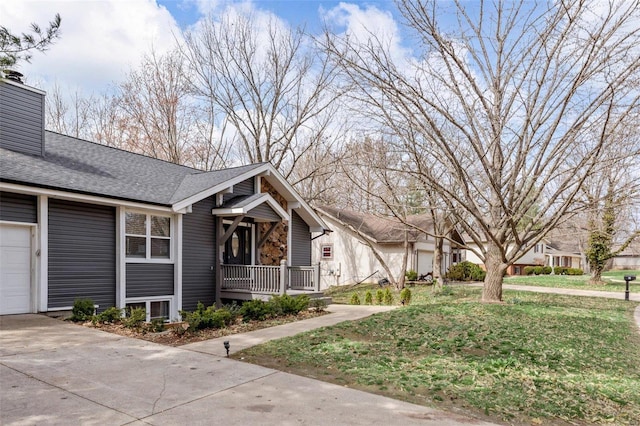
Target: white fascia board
{"points": [[218, 188], [264, 198], [72, 196], [272, 203]]}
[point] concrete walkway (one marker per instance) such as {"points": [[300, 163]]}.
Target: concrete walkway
{"points": [[56, 373]]}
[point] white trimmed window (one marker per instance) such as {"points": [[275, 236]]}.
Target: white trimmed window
{"points": [[326, 251], [147, 236], [155, 309]]}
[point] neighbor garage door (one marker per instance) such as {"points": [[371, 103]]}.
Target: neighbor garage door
{"points": [[15, 269]]}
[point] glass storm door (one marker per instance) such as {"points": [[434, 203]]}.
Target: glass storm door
{"points": [[237, 248]]}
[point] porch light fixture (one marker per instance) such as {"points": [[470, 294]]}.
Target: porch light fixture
{"points": [[226, 346], [627, 279]]}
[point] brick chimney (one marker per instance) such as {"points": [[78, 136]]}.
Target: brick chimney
{"points": [[21, 115]]}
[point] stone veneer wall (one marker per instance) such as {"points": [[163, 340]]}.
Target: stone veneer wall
{"points": [[275, 248]]}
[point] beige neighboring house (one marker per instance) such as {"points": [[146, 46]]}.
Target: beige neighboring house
{"points": [[628, 259], [346, 258], [545, 253]]}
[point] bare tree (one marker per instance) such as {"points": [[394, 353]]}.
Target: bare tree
{"points": [[501, 101], [156, 100], [68, 115], [271, 87]]}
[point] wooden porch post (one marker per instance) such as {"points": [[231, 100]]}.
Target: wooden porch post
{"points": [[316, 276], [219, 262], [283, 277]]}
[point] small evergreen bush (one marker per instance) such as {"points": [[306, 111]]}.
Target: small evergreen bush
{"points": [[318, 305], [355, 299], [388, 297], [537, 270], [368, 298], [411, 275], [256, 309], [109, 315], [560, 270], [135, 317], [83, 310], [575, 271], [405, 296], [379, 297], [528, 270], [157, 325], [546, 270], [466, 271], [288, 305]]}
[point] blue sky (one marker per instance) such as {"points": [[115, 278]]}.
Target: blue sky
{"points": [[103, 39]]}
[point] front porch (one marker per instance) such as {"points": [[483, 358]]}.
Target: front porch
{"points": [[246, 282]]}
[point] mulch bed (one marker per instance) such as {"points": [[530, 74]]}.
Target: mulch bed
{"points": [[171, 337]]}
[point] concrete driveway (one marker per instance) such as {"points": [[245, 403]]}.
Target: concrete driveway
{"points": [[53, 372]]}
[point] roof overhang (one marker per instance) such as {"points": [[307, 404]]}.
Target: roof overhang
{"points": [[243, 207]]}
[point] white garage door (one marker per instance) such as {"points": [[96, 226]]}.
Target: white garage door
{"points": [[15, 269]]}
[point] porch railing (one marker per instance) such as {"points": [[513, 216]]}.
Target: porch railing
{"points": [[255, 279], [270, 279], [303, 278]]}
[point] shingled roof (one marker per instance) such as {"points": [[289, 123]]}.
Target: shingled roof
{"points": [[85, 167], [386, 230]]}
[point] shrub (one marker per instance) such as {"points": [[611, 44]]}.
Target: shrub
{"points": [[368, 298], [537, 270], [112, 314], [411, 275], [83, 310], [379, 297], [466, 271], [560, 270], [405, 296], [528, 270], [318, 305], [575, 271], [546, 270], [135, 317], [209, 317], [388, 297], [256, 310], [157, 325], [288, 305], [355, 299]]}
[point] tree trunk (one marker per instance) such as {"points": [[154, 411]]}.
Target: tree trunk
{"points": [[403, 270], [437, 263], [492, 289], [596, 275]]}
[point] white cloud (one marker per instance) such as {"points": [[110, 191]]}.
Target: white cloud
{"points": [[100, 39]]}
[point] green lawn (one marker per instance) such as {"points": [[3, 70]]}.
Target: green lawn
{"points": [[614, 281], [536, 359]]}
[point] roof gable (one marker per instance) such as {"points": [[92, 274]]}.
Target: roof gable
{"points": [[389, 230]]}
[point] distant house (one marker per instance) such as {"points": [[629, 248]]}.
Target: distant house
{"points": [[82, 220], [345, 257], [545, 253], [628, 259]]}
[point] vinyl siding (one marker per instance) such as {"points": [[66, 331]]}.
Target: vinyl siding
{"points": [[149, 279], [198, 255], [246, 187], [18, 207], [300, 241], [82, 253], [21, 119], [265, 212]]}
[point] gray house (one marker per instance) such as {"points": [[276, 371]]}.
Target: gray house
{"points": [[83, 220]]}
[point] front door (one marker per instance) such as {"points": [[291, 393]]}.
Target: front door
{"points": [[237, 248]]}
